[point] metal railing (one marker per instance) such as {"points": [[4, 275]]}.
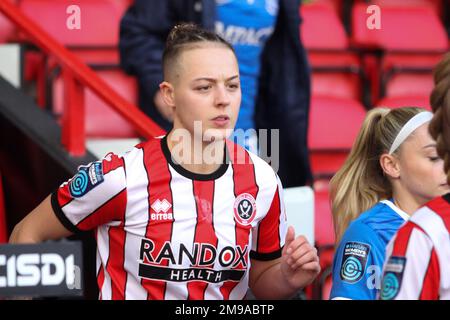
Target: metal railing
{"points": [[77, 75]]}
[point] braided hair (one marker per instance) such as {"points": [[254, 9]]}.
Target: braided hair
{"points": [[188, 36]]}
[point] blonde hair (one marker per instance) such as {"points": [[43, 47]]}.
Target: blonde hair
{"points": [[440, 103], [361, 182]]}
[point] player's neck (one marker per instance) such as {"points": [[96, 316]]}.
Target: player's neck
{"points": [[196, 156], [407, 202]]}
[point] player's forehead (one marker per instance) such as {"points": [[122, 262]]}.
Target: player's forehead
{"points": [[207, 61], [420, 140]]}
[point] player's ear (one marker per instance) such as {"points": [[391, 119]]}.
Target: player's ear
{"points": [[390, 165], [167, 93]]}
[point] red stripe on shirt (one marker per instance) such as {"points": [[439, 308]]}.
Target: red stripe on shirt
{"points": [[64, 196], [100, 280], [204, 231], [270, 226], [430, 286], [159, 178], [442, 208], [115, 266], [402, 239], [112, 210], [100, 273], [111, 162], [244, 182], [117, 236]]}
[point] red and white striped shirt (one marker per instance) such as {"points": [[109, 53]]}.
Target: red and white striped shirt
{"points": [[166, 233], [418, 257]]}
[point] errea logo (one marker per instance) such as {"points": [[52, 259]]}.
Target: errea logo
{"points": [[159, 206], [161, 209]]}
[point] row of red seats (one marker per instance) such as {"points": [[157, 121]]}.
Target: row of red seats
{"points": [[352, 14], [338, 73], [406, 25], [95, 43], [390, 67]]}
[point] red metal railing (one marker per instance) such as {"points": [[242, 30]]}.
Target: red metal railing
{"points": [[76, 76]]}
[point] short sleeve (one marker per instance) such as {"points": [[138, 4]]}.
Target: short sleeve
{"points": [[270, 233], [357, 264], [96, 195]]}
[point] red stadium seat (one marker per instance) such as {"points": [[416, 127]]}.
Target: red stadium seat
{"points": [[323, 229], [321, 28], [95, 42], [99, 20], [324, 238], [418, 61], [101, 120], [412, 28], [339, 84], [333, 126], [334, 60], [407, 79], [7, 29], [435, 4], [410, 84], [408, 101]]}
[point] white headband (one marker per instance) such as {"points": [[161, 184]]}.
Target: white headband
{"points": [[413, 123]]}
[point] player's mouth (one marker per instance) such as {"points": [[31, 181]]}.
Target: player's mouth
{"points": [[221, 121]]}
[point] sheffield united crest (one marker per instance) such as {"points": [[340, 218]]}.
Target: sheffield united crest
{"points": [[245, 209]]}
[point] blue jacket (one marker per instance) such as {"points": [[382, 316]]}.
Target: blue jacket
{"points": [[284, 84]]}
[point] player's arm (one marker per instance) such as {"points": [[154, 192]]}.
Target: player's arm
{"points": [[283, 277], [39, 225], [357, 264]]}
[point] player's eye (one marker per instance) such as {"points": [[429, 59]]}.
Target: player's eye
{"points": [[233, 85], [203, 88]]}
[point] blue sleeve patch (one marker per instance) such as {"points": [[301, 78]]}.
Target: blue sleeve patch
{"points": [[354, 260], [87, 178], [392, 278]]}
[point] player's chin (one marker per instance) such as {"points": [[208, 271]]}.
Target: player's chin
{"points": [[441, 190], [217, 134]]}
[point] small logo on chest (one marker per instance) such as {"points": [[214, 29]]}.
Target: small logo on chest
{"points": [[160, 210], [244, 209]]}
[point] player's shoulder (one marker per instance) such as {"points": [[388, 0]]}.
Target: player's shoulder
{"points": [[261, 169], [363, 230], [149, 148], [433, 219], [438, 207], [384, 218], [153, 142], [113, 161], [359, 231], [368, 219]]}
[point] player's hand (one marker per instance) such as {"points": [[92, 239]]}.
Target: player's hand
{"points": [[299, 261]]}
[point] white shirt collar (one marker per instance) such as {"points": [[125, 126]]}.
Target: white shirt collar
{"points": [[399, 211]]}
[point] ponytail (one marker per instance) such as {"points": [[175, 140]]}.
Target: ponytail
{"points": [[361, 182]]}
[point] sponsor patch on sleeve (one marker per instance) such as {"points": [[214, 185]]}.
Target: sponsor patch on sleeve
{"points": [[354, 259], [87, 178], [392, 278]]}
